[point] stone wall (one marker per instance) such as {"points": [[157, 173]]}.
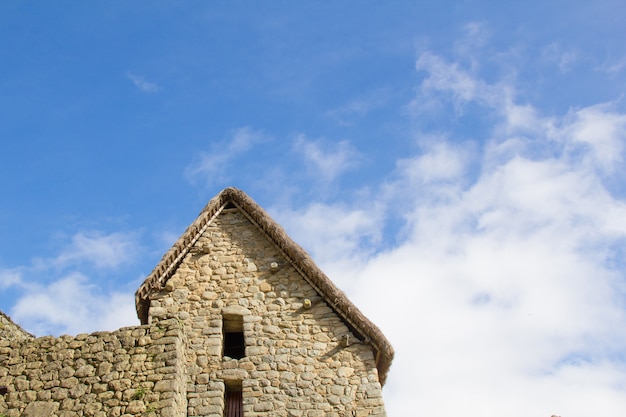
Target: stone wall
{"points": [[11, 331], [130, 372], [300, 358]]}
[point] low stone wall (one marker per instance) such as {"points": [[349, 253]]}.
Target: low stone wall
{"points": [[134, 371]]}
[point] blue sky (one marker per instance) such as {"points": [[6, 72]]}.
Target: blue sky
{"points": [[456, 167]]}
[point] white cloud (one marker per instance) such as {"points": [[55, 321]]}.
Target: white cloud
{"points": [[563, 59], [450, 82], [338, 237], [470, 45], [212, 166], [10, 278], [72, 305], [142, 84], [446, 77], [501, 293], [51, 300], [600, 129], [507, 282], [331, 230], [613, 67], [440, 162], [101, 250], [327, 160], [359, 107]]}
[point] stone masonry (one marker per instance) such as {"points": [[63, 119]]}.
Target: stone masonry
{"points": [[10, 330], [130, 372], [305, 351]]}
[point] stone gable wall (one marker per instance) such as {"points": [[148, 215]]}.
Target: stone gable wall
{"points": [[301, 360], [134, 371]]}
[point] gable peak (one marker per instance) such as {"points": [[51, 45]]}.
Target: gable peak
{"points": [[235, 199]]}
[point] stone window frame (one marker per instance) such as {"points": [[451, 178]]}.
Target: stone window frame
{"points": [[233, 334], [233, 398], [233, 338]]}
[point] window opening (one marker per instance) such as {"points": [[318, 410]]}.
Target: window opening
{"points": [[234, 342], [233, 399]]}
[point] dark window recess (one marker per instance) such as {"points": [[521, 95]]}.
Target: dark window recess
{"points": [[234, 341], [233, 402], [234, 346]]}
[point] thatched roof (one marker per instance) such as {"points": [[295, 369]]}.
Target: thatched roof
{"points": [[298, 257]]}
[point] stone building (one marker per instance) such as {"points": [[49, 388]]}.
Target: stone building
{"points": [[236, 319]]}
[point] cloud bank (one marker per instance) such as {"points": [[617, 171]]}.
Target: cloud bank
{"points": [[59, 295], [505, 293]]}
